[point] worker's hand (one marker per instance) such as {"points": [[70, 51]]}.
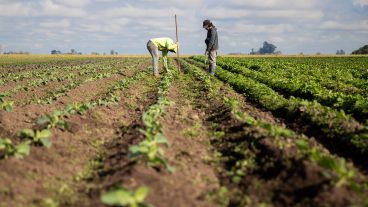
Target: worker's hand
{"points": [[205, 57]]}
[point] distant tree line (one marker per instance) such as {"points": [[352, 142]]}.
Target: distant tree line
{"points": [[340, 52], [74, 52], [266, 49], [17, 52], [361, 51]]}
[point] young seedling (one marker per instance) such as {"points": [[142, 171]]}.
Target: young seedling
{"points": [[78, 108], [123, 197], [37, 137], [150, 151], [53, 120], [4, 104], [337, 169], [19, 151]]}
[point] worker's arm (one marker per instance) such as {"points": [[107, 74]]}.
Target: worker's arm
{"points": [[164, 58]]}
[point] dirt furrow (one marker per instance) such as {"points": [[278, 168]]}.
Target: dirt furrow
{"points": [[53, 176]]}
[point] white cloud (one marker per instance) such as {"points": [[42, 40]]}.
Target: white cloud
{"points": [[242, 24], [64, 23], [131, 11], [15, 9], [225, 13], [193, 4], [334, 25], [360, 2], [73, 3], [49, 8], [276, 3], [266, 28], [39, 9]]}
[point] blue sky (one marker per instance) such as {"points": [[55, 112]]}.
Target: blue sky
{"points": [[294, 26]]}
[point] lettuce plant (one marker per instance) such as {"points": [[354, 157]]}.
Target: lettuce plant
{"points": [[37, 137], [123, 197]]}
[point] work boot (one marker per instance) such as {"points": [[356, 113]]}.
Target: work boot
{"points": [[212, 69]]}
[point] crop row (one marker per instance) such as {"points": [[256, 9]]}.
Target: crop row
{"points": [[334, 125], [84, 73], [346, 74], [57, 119], [334, 79], [304, 88], [45, 71], [267, 139], [148, 150], [88, 76]]}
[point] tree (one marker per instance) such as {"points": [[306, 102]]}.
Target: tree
{"points": [[55, 52], [253, 52], [361, 51], [340, 52], [112, 52], [72, 51], [267, 48]]}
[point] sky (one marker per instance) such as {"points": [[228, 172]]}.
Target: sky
{"points": [[294, 26]]}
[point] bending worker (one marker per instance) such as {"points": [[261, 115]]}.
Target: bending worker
{"points": [[163, 44], [212, 44]]}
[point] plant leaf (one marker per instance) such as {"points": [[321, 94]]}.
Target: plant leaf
{"points": [[22, 149], [44, 134], [27, 133], [120, 196], [46, 142], [141, 193]]}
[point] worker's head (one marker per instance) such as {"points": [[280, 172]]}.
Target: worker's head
{"points": [[174, 48], [207, 24]]}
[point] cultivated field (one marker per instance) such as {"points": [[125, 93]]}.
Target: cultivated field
{"points": [[102, 131]]}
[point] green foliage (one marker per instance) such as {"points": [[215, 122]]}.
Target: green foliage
{"points": [[37, 137], [4, 104], [10, 149], [332, 123], [123, 197], [149, 149], [336, 169], [55, 119], [79, 108]]}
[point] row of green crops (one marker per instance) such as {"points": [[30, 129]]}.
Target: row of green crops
{"points": [[338, 73], [149, 150], [336, 126], [57, 119], [336, 169], [75, 75], [304, 87]]}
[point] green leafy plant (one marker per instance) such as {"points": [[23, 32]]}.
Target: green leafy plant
{"points": [[80, 108], [123, 197], [150, 151], [337, 169], [37, 137], [19, 150], [55, 119], [4, 104]]}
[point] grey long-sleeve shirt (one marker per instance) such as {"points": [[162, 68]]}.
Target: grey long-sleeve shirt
{"points": [[212, 40]]}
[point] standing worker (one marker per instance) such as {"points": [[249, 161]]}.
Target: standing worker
{"points": [[163, 44], [212, 44]]}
